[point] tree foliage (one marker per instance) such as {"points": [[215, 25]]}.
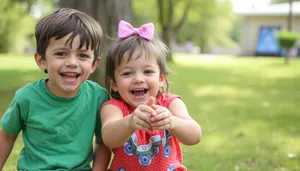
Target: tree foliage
{"points": [[200, 18], [206, 22], [15, 25], [209, 23], [287, 40], [17, 21]]}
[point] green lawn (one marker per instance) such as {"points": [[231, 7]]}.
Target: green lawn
{"points": [[248, 108]]}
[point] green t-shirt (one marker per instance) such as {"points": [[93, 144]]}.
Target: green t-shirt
{"points": [[57, 132]]}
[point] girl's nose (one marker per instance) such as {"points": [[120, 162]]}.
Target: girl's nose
{"points": [[138, 78]]}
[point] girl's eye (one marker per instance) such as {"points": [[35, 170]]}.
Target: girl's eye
{"points": [[126, 74], [83, 56], [148, 71], [60, 54]]}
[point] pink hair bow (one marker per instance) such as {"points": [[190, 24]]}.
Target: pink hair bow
{"points": [[125, 30]]}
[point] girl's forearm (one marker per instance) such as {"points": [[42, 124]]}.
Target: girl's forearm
{"points": [[188, 132], [116, 133]]}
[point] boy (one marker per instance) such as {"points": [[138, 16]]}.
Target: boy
{"points": [[59, 115]]}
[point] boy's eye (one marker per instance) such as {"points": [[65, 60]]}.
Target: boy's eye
{"points": [[60, 54], [126, 73]]}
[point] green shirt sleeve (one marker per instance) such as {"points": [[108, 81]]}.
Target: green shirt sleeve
{"points": [[12, 121]]}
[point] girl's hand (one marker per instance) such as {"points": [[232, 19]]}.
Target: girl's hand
{"points": [[140, 118], [163, 120]]}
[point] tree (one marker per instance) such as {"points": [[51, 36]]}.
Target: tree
{"points": [[199, 24], [290, 16], [15, 25], [166, 14], [287, 40], [108, 13], [210, 22]]}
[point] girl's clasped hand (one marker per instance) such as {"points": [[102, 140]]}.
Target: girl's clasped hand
{"points": [[150, 117]]}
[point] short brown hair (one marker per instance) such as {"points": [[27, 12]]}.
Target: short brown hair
{"points": [[63, 22], [121, 47]]}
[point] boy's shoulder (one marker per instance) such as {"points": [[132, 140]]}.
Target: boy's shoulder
{"points": [[93, 88], [29, 88], [94, 85]]}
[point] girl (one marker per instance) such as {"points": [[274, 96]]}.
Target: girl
{"points": [[143, 124]]}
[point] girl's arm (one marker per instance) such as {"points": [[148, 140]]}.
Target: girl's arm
{"points": [[117, 129], [185, 129], [7, 142], [102, 156]]}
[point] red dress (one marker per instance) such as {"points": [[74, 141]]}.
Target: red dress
{"points": [[157, 150]]}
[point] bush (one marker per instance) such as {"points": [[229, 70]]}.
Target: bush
{"points": [[287, 39]]}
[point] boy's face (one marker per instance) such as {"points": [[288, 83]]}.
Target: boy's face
{"points": [[67, 67]]}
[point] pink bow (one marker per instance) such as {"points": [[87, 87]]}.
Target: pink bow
{"points": [[125, 30]]}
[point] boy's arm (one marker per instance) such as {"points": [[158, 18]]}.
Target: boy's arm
{"points": [[7, 142], [101, 156]]}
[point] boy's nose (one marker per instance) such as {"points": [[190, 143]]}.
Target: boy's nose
{"points": [[72, 61]]}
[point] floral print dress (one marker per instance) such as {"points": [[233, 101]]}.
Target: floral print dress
{"points": [[157, 150]]}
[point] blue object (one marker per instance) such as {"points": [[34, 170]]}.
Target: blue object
{"points": [[145, 159], [267, 43]]}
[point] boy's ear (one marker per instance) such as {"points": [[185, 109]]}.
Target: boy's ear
{"points": [[95, 64], [40, 61], [162, 80]]}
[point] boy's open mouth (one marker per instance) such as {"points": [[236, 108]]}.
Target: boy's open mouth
{"points": [[139, 92], [69, 75]]}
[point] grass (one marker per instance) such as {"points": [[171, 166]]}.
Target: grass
{"points": [[248, 109]]}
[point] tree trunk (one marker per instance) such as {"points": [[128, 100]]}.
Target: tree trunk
{"points": [[167, 39], [108, 13], [166, 19], [287, 56], [290, 16]]}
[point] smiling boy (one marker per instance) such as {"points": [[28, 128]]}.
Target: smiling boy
{"points": [[59, 115]]}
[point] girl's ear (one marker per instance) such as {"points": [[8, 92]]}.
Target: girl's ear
{"points": [[162, 79], [113, 85], [40, 61]]}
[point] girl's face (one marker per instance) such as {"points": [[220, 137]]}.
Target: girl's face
{"points": [[68, 67], [137, 80]]}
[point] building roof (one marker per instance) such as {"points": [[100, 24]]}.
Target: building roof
{"points": [[281, 9]]}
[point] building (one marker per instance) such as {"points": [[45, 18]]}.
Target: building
{"points": [[261, 22]]}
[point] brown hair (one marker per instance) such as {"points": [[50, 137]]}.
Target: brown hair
{"points": [[120, 47], [63, 22]]}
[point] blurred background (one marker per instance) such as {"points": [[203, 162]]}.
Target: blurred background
{"points": [[236, 78]]}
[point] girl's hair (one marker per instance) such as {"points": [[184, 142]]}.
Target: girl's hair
{"points": [[120, 48], [63, 22]]}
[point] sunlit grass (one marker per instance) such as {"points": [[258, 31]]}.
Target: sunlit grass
{"points": [[249, 109], [10, 62]]}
